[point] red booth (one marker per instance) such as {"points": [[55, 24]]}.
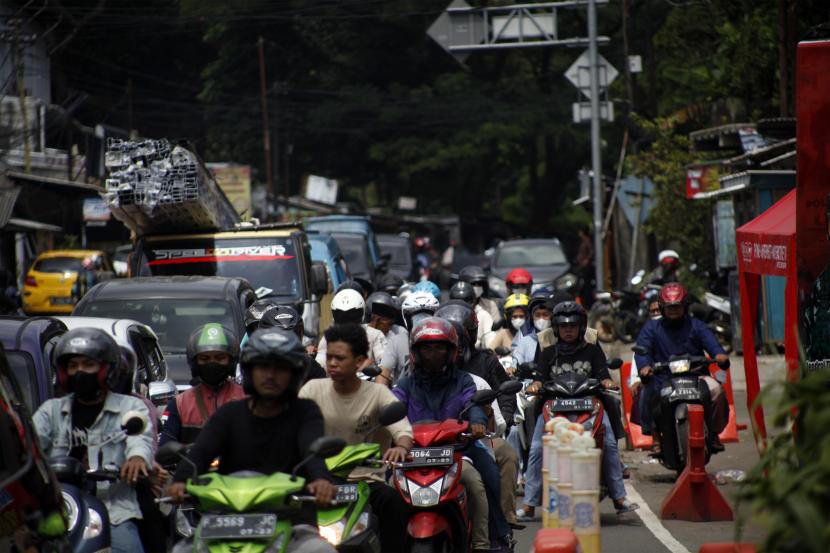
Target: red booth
{"points": [[766, 246]]}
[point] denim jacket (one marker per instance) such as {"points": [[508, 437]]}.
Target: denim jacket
{"points": [[53, 424]]}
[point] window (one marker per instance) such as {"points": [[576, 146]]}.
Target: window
{"points": [[58, 265], [23, 369], [530, 255]]}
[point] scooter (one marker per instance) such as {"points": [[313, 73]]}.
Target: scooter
{"points": [[88, 528], [350, 525], [246, 511], [431, 481], [683, 388]]}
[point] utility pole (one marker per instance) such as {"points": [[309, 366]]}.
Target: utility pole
{"points": [[266, 133], [21, 93], [596, 159]]}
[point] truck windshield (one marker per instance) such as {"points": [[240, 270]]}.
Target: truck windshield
{"points": [[270, 264], [354, 250]]}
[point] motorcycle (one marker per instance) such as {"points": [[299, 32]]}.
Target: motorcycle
{"points": [[88, 521], [683, 388], [245, 511], [431, 481], [349, 524]]}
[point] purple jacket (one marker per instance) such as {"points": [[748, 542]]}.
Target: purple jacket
{"points": [[438, 399]]}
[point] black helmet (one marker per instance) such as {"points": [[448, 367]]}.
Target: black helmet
{"points": [[254, 313], [350, 285], [212, 337], [473, 274], [89, 342], [283, 317], [457, 311], [541, 298], [463, 291], [123, 379], [389, 283], [273, 345], [381, 303], [569, 312]]}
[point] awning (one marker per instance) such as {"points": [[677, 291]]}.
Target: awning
{"points": [[766, 244], [26, 224], [755, 178]]}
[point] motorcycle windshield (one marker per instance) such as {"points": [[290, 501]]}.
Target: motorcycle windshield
{"points": [[239, 494]]}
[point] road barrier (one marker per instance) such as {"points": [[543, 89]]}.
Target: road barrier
{"points": [[555, 540], [694, 496], [730, 433], [633, 432]]}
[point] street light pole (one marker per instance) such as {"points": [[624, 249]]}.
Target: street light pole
{"points": [[596, 160]]}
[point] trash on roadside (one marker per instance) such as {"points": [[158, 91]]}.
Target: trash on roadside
{"points": [[723, 477]]}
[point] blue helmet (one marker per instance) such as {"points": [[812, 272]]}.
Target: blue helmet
{"points": [[429, 287]]}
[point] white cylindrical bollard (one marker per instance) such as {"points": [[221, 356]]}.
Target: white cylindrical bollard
{"points": [[586, 524], [565, 487], [585, 470]]}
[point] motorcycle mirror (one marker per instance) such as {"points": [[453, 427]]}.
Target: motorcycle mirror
{"points": [[639, 350], [392, 413], [169, 453], [484, 397], [326, 447], [501, 351], [133, 423], [615, 363], [527, 370], [510, 387], [372, 371]]}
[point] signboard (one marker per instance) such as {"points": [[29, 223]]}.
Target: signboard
{"points": [[235, 182], [321, 189], [582, 111], [579, 73], [702, 177], [406, 203], [96, 212], [455, 29]]}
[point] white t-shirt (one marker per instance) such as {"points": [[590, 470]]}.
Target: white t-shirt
{"points": [[377, 345], [485, 327], [397, 351]]}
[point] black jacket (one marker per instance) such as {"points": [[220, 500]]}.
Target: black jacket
{"points": [[485, 364]]}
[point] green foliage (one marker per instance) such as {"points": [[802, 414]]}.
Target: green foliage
{"points": [[786, 492]]}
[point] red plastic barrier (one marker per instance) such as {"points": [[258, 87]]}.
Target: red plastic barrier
{"points": [[633, 431], [694, 497], [730, 433], [728, 548], [555, 540]]}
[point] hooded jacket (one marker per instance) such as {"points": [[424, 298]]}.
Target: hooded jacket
{"points": [[438, 398]]}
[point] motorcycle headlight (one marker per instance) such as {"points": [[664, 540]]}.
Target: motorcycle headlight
{"points": [[497, 285], [681, 366], [333, 533], [566, 281], [449, 478], [183, 527], [95, 526], [400, 480], [71, 507], [426, 496]]}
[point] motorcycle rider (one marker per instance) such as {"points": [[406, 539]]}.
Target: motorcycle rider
{"points": [[436, 390], [516, 312], [268, 432], [350, 408], [476, 276], [668, 262], [573, 354], [428, 286], [540, 311], [383, 311], [86, 362], [678, 333], [212, 353], [519, 281], [547, 337], [285, 317], [389, 283], [465, 292]]}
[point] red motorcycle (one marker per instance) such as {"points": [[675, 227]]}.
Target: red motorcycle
{"points": [[431, 481]]}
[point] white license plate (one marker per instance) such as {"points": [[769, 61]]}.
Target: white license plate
{"points": [[60, 300], [233, 526]]}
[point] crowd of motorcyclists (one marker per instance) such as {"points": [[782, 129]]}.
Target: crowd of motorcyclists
{"points": [[260, 400]]}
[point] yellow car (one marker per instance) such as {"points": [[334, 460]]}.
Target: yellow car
{"points": [[48, 284]]}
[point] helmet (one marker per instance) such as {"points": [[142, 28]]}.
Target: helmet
{"points": [[428, 286], [273, 345], [212, 337], [89, 342], [381, 303], [284, 317], [473, 274], [540, 298], [669, 258], [432, 330], [514, 301], [673, 293], [350, 285], [460, 312], [347, 305], [418, 303], [569, 312], [463, 291], [519, 278], [255, 311], [389, 283], [123, 378]]}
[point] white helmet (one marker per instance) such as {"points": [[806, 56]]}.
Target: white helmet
{"points": [[418, 302], [665, 254], [348, 301]]}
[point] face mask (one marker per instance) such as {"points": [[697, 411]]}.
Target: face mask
{"points": [[213, 374], [479, 291], [517, 323], [85, 385], [541, 324]]}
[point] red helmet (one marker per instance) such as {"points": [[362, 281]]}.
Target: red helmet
{"points": [[431, 330], [673, 293], [519, 277]]}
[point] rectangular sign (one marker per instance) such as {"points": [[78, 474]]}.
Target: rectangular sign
{"points": [[702, 177], [321, 189], [235, 182], [96, 210]]}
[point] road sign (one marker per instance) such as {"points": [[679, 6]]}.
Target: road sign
{"points": [[582, 111], [454, 28], [579, 73]]}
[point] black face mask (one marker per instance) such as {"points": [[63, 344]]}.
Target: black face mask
{"points": [[85, 386], [213, 374]]}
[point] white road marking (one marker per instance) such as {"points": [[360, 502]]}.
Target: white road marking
{"points": [[653, 523]]}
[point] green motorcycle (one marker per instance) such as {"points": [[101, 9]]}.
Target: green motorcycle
{"points": [[349, 524], [246, 512]]}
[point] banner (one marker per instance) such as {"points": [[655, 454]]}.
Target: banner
{"points": [[702, 177], [235, 182]]}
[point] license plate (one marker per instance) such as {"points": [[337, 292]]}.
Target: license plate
{"points": [[346, 493], [431, 456], [572, 404], [685, 393], [61, 300], [228, 527]]}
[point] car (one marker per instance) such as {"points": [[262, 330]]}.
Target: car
{"points": [[47, 288], [28, 343], [542, 257], [275, 259], [173, 307], [140, 338], [356, 251], [401, 255], [325, 250], [374, 261]]}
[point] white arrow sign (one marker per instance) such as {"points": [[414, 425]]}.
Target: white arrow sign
{"points": [[579, 73]]}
